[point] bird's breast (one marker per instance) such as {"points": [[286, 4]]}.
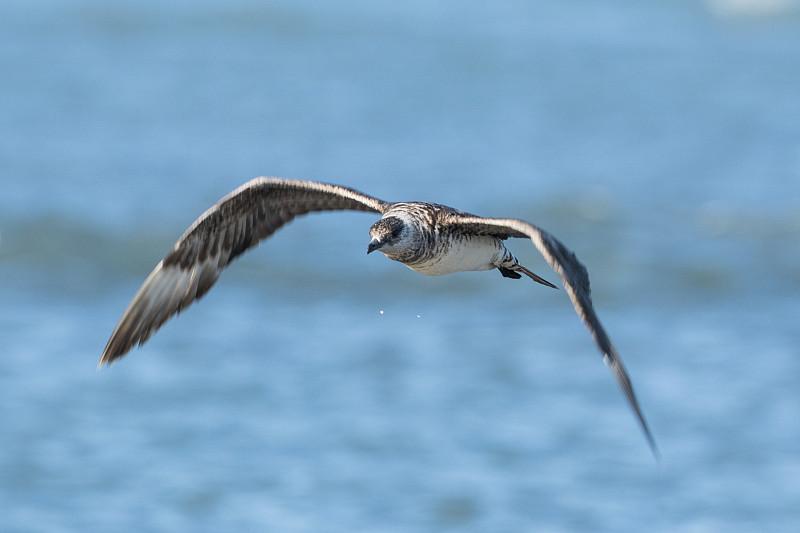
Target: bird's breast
{"points": [[459, 254]]}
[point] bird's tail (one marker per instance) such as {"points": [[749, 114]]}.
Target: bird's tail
{"points": [[534, 277]]}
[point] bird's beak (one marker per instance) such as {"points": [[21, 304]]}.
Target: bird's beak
{"points": [[374, 245]]}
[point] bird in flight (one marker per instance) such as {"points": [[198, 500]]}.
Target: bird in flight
{"points": [[430, 238]]}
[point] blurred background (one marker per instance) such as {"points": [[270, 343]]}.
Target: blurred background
{"points": [[316, 389]]}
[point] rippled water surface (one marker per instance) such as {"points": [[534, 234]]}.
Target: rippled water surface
{"points": [[316, 389]]}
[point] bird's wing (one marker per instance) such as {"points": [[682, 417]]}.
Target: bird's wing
{"points": [[233, 225], [576, 282]]}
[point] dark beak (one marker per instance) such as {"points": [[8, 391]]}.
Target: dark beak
{"points": [[374, 245]]}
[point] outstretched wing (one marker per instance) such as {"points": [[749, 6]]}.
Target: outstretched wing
{"points": [[233, 225], [576, 282]]}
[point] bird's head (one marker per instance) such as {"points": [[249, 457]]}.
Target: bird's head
{"points": [[389, 234]]}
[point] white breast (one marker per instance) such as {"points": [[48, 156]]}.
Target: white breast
{"points": [[474, 253]]}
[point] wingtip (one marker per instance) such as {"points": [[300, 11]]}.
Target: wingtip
{"points": [[103, 362], [112, 352], [654, 449], [614, 364], [644, 426], [651, 441], [108, 352]]}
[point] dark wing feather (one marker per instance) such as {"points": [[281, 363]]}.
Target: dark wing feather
{"points": [[233, 225], [576, 282]]}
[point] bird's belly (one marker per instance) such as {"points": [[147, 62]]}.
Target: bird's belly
{"points": [[478, 253]]}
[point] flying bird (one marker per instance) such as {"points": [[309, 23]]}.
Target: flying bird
{"points": [[430, 238]]}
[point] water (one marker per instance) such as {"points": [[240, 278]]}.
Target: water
{"points": [[317, 389]]}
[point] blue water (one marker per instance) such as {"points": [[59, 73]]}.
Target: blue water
{"points": [[316, 389]]}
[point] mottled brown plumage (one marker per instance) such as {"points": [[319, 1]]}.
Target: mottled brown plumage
{"points": [[432, 239]]}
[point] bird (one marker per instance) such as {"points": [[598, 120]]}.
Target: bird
{"points": [[430, 238]]}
